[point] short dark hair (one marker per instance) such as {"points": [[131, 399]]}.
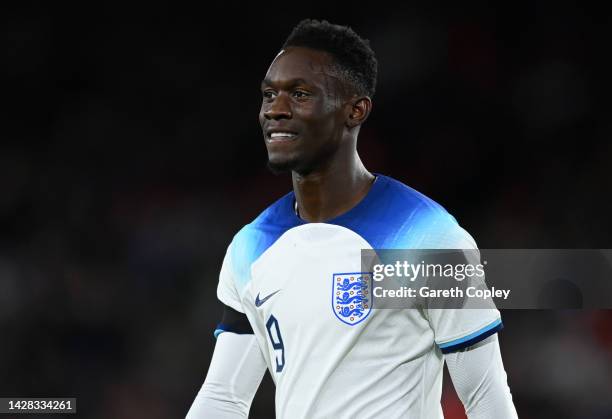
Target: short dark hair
{"points": [[352, 54]]}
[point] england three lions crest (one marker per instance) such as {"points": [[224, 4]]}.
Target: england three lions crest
{"points": [[351, 296]]}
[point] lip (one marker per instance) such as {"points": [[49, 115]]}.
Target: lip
{"points": [[280, 140], [270, 131]]}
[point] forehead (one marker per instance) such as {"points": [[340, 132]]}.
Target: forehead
{"points": [[299, 63]]}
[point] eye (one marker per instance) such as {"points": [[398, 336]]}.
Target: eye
{"points": [[300, 94], [268, 94]]}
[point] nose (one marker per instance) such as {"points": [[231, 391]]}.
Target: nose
{"points": [[279, 109]]}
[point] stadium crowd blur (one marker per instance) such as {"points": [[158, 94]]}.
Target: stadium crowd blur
{"points": [[131, 153]]}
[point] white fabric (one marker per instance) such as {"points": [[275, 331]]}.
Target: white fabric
{"points": [[329, 354], [480, 381], [235, 372], [226, 290], [388, 363]]}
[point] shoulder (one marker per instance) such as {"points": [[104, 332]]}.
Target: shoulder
{"points": [[254, 238], [414, 220], [270, 223], [402, 197]]}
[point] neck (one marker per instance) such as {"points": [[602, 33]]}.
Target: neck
{"points": [[333, 189]]}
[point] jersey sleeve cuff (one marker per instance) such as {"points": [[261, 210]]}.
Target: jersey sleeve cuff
{"points": [[236, 305], [218, 331], [237, 329], [469, 340]]}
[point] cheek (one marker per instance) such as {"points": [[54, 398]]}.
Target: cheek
{"points": [[321, 120], [331, 124]]}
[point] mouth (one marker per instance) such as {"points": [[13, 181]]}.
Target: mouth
{"points": [[280, 136]]}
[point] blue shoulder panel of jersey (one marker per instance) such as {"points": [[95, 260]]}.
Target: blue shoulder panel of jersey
{"points": [[392, 216], [395, 216], [254, 238]]}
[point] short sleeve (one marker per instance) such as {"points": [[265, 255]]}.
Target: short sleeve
{"points": [[226, 290], [455, 329]]}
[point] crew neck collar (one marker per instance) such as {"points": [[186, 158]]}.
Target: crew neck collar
{"points": [[364, 203]]}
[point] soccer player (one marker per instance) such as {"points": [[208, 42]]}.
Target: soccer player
{"points": [[277, 280]]}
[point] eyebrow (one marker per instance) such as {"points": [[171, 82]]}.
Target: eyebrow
{"points": [[290, 82]]}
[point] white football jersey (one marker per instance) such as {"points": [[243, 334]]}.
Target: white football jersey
{"points": [[331, 355]]}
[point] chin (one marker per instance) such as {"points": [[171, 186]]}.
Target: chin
{"points": [[280, 166], [290, 162]]}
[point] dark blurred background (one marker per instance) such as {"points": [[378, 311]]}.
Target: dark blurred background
{"points": [[131, 153]]}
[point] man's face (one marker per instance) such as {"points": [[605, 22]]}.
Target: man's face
{"points": [[301, 114]]}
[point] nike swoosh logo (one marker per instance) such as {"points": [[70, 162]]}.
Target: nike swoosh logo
{"points": [[259, 302]]}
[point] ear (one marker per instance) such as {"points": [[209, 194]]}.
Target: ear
{"points": [[359, 109]]}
